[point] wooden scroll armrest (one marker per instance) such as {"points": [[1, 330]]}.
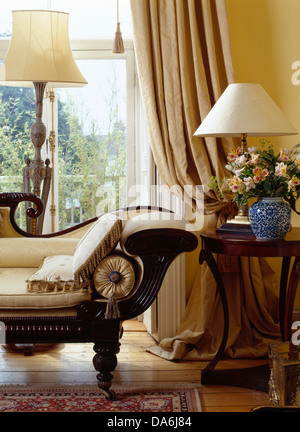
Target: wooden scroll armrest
{"points": [[13, 199], [156, 248]]}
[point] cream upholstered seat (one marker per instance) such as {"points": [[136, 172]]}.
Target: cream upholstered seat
{"points": [[20, 298], [79, 285], [24, 256]]}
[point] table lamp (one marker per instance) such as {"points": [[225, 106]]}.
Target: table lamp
{"points": [[39, 55], [244, 109]]}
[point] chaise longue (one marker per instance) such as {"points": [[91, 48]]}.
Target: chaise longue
{"points": [[80, 284]]}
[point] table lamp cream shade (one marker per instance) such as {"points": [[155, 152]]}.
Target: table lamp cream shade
{"points": [[245, 109], [40, 51]]}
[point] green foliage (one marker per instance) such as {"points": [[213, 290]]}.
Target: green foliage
{"points": [[91, 167], [15, 142], [17, 114], [217, 184]]}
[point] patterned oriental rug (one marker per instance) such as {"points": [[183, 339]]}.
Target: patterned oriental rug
{"points": [[90, 399]]}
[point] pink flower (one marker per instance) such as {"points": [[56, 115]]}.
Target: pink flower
{"points": [[280, 169], [235, 183], [293, 183], [233, 155], [284, 155], [259, 174]]}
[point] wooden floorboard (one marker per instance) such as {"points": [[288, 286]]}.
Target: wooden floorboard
{"points": [[72, 364]]}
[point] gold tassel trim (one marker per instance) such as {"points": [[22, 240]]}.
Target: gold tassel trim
{"points": [[105, 247], [57, 286], [118, 45], [112, 309]]}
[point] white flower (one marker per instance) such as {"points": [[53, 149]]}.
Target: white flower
{"points": [[229, 167], [241, 160], [238, 172], [248, 181], [252, 149]]}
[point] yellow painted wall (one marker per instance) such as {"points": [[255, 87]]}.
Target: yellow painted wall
{"points": [[265, 39]]}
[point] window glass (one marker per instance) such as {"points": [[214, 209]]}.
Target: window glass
{"points": [[92, 142], [17, 114], [97, 19]]}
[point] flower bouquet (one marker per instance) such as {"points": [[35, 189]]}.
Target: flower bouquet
{"points": [[262, 173]]}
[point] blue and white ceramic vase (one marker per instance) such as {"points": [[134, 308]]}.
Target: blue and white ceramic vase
{"points": [[270, 218]]}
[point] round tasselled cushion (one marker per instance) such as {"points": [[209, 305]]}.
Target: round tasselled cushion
{"points": [[114, 275]]}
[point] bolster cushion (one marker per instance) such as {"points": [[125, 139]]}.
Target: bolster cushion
{"points": [[114, 276]]}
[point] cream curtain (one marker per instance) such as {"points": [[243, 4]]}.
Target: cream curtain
{"points": [[184, 64]]}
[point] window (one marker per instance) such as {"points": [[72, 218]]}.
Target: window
{"points": [[94, 19], [95, 157], [95, 126]]}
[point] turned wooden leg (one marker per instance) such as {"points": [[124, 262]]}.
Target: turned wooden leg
{"points": [[105, 362]]}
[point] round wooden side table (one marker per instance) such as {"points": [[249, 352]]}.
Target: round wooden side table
{"points": [[246, 244]]}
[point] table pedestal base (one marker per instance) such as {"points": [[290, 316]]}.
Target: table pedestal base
{"points": [[256, 378]]}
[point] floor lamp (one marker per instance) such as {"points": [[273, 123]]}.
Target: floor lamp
{"points": [[244, 110], [39, 55]]}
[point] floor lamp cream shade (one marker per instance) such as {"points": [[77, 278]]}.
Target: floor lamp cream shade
{"points": [[245, 109], [40, 51]]}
